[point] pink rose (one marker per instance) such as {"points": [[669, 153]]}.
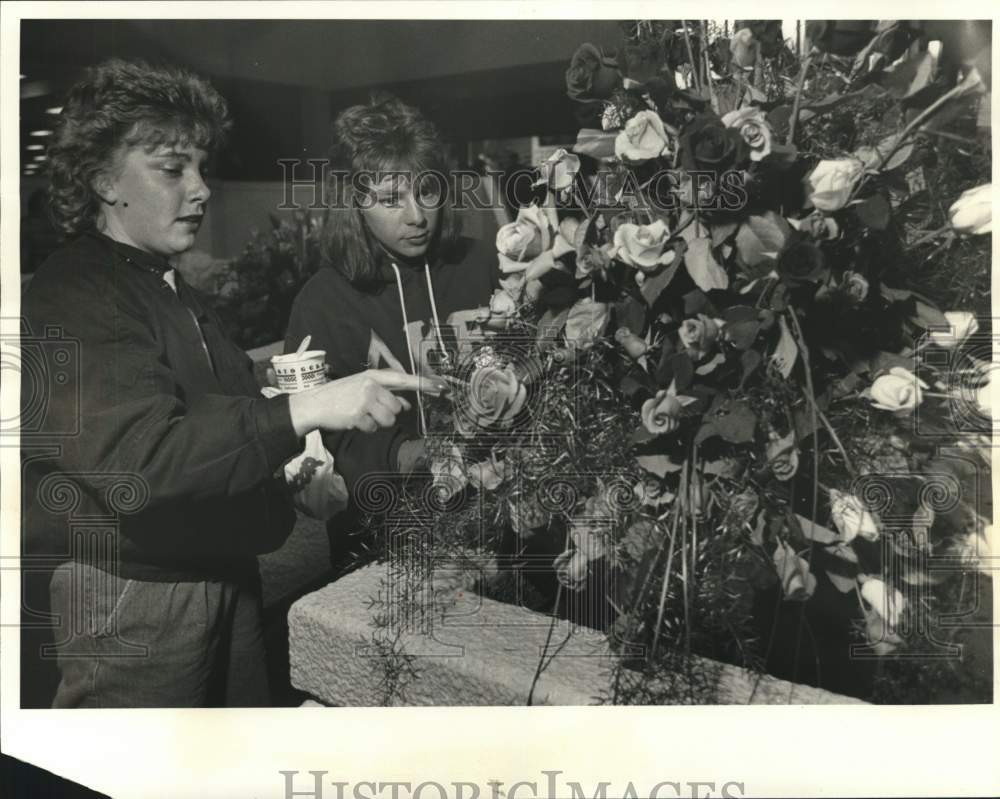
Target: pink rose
{"points": [[698, 336], [559, 170], [662, 413], [753, 128]]}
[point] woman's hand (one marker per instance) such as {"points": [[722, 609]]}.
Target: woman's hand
{"points": [[360, 402]]}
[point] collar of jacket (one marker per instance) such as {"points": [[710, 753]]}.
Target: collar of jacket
{"points": [[133, 255]]}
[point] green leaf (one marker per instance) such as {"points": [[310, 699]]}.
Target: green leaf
{"points": [[742, 334], [842, 582], [722, 231], [595, 143], [702, 266], [660, 465], [928, 316], [749, 360], [652, 287], [631, 313], [786, 352], [736, 423], [874, 212], [816, 532], [761, 238]]}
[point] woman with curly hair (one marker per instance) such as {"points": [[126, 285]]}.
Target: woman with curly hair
{"points": [[396, 267], [163, 438]]}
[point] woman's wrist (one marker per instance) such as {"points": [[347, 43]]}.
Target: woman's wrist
{"points": [[302, 408]]}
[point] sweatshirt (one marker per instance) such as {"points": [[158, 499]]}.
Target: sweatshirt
{"points": [[352, 323]]}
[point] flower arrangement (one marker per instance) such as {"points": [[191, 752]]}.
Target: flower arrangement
{"points": [[698, 379]]}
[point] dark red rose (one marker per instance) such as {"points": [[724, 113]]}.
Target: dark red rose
{"points": [[801, 261], [707, 144], [591, 76]]}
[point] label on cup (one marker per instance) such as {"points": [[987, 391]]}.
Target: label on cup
{"points": [[299, 371]]}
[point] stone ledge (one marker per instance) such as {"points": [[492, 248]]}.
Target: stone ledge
{"points": [[477, 652]]}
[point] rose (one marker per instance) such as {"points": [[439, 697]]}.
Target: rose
{"points": [[571, 569], [972, 212], [653, 493], [707, 144], [742, 49], [591, 76], [818, 226], [782, 456], [828, 187], [797, 582], [634, 346], [963, 324], [698, 336], [801, 261], [661, 414], [754, 130], [851, 517], [897, 391], [502, 308], [495, 395], [887, 605], [611, 119], [560, 169], [642, 246], [524, 239], [855, 286], [643, 138]]}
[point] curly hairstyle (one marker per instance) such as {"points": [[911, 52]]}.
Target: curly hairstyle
{"points": [[123, 104], [384, 135]]}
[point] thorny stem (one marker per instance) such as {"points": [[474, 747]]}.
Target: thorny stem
{"points": [[694, 64], [798, 99]]}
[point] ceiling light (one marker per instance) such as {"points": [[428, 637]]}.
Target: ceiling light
{"points": [[41, 133], [40, 158], [35, 147], [56, 109]]}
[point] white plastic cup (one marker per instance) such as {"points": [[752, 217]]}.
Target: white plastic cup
{"points": [[298, 371]]}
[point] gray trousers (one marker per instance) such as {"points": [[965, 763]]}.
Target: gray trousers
{"points": [[137, 643]]}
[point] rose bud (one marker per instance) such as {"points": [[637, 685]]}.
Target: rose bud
{"points": [[642, 246], [661, 414], [797, 582], [829, 185], [897, 391], [851, 517], [571, 569], [643, 138], [855, 286], [559, 170], [782, 456], [634, 346], [887, 605], [698, 336], [742, 48], [963, 324], [972, 212]]}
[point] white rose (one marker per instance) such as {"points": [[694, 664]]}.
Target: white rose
{"points": [[524, 239], [643, 138], [972, 212], [856, 286], [963, 324], [830, 183], [851, 517], [698, 336], [797, 582], [642, 246], [897, 391], [887, 605]]}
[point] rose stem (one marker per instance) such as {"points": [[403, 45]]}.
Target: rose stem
{"points": [[708, 67], [798, 99], [694, 64]]}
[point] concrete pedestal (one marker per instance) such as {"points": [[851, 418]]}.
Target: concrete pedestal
{"points": [[467, 650]]}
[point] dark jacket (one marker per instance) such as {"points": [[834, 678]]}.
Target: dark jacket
{"points": [[342, 318], [151, 404]]}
